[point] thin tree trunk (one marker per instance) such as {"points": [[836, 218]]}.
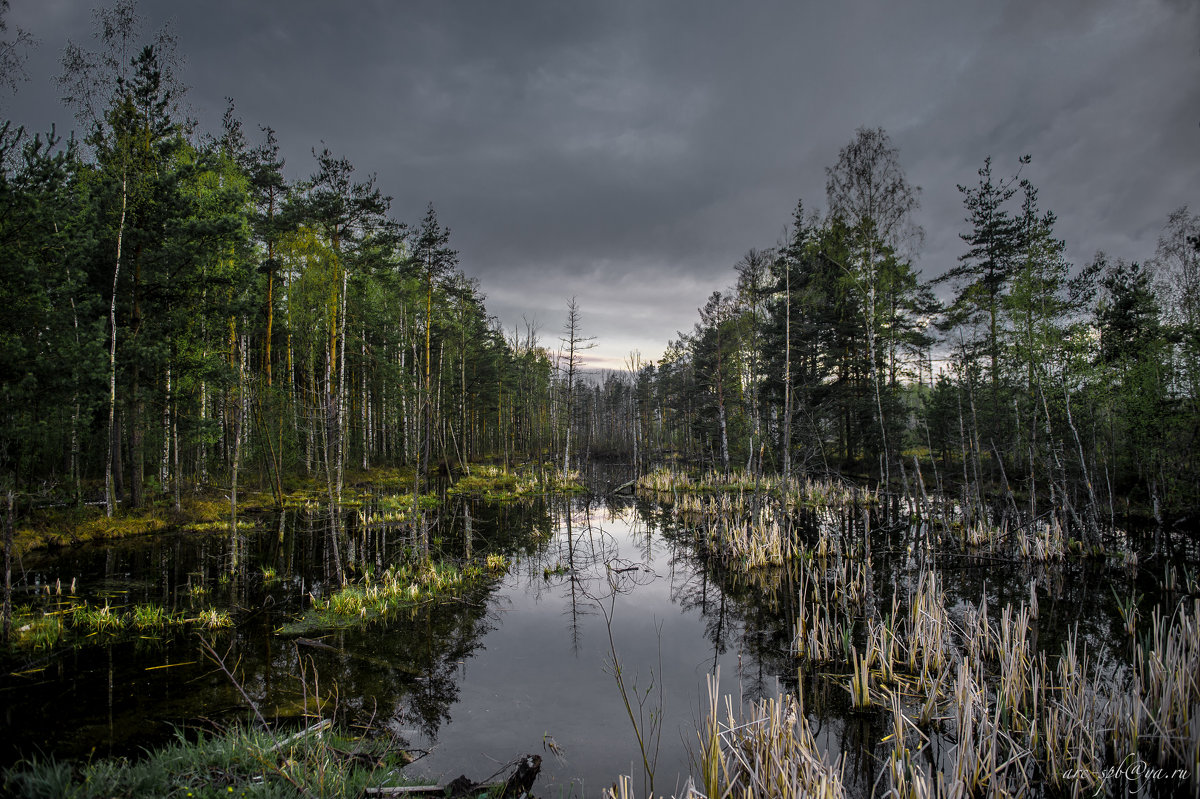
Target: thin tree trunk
{"points": [[787, 372], [238, 413], [137, 441], [364, 410], [175, 447], [8, 546], [270, 297], [75, 405], [462, 387], [109, 488], [871, 346], [1091, 531], [137, 433], [427, 433], [439, 413], [341, 390], [118, 461], [721, 401], [202, 453], [164, 464]]}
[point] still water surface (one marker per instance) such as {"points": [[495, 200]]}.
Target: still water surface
{"points": [[476, 681], [511, 665]]}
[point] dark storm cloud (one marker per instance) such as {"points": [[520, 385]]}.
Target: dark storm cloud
{"points": [[628, 153]]}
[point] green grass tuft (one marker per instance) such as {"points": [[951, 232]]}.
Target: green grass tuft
{"points": [[234, 763]]}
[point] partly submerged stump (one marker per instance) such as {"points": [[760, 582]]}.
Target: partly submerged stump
{"points": [[518, 784], [521, 781], [463, 786]]}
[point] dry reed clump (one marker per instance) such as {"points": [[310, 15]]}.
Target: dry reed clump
{"points": [[765, 749], [715, 494], [744, 533], [834, 594], [819, 630], [1020, 724], [1167, 687], [976, 709], [793, 493], [664, 481], [1042, 541], [1018, 721], [749, 531]]}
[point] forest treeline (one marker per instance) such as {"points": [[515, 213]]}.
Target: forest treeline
{"points": [[175, 310], [1035, 383]]}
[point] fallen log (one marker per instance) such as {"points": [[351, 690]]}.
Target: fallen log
{"points": [[406, 790], [317, 728]]}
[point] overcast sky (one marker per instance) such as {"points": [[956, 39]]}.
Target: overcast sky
{"points": [[628, 153]]}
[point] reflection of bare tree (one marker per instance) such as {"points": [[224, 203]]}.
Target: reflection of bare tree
{"points": [[569, 562], [573, 582], [613, 577]]}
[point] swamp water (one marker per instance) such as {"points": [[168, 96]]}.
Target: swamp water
{"points": [[515, 664]]}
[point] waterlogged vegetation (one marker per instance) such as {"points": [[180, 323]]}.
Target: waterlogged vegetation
{"points": [[495, 483], [236, 762], [397, 589], [747, 520], [72, 623], [966, 699], [865, 645]]}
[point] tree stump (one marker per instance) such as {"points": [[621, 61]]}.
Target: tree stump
{"points": [[521, 781]]}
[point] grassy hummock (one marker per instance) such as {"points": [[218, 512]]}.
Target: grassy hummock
{"points": [[72, 622], [236, 762], [496, 484], [379, 597], [74, 525]]}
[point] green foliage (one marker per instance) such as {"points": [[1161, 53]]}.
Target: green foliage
{"points": [[1052, 388], [75, 623], [237, 762], [299, 323], [400, 588]]}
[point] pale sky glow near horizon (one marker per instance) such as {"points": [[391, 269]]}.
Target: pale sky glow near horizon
{"points": [[629, 153]]}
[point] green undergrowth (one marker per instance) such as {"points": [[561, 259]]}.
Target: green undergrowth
{"points": [[399, 588], [237, 762], [62, 526], [73, 623], [388, 509], [497, 484], [207, 510]]}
